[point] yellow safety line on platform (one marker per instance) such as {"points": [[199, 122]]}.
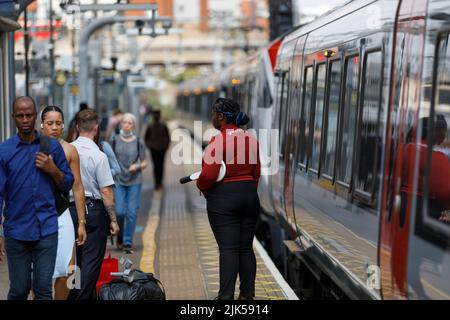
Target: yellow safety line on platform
{"points": [[149, 237]]}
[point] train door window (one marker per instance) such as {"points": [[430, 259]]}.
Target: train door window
{"points": [[264, 96], [305, 118], [371, 128], [332, 119], [283, 112], [436, 210], [318, 115], [348, 123]]}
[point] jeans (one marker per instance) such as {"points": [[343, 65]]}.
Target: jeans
{"points": [[31, 265], [233, 210], [127, 201]]}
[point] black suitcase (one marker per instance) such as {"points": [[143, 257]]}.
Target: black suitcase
{"points": [[133, 285]]}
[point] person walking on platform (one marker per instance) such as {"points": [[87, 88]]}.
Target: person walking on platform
{"points": [[97, 181], [114, 124], [72, 134], [28, 180], [106, 148], [157, 139], [233, 203], [130, 153], [52, 125]]}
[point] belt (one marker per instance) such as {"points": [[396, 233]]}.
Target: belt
{"points": [[89, 201]]}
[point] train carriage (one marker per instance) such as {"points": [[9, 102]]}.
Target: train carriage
{"points": [[360, 99]]}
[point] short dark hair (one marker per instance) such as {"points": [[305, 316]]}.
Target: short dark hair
{"points": [[86, 120], [18, 99]]}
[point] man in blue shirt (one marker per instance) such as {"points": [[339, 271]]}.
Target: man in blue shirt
{"points": [[28, 179]]}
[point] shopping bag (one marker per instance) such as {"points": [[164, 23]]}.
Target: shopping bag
{"points": [[108, 265]]}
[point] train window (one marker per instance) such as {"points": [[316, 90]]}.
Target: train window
{"points": [[436, 210], [370, 129], [283, 112], [305, 118], [264, 96], [318, 115], [348, 123], [332, 118]]}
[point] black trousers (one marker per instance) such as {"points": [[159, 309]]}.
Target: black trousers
{"points": [[158, 165], [90, 255], [233, 209]]}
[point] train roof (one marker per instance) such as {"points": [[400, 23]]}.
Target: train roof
{"points": [[326, 18]]}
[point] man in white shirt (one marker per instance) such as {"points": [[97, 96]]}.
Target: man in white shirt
{"points": [[97, 181]]}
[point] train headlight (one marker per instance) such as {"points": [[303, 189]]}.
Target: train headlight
{"points": [[328, 53]]}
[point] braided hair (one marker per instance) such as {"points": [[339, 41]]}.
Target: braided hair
{"points": [[231, 110], [51, 108]]}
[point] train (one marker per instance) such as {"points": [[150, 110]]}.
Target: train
{"points": [[359, 101]]}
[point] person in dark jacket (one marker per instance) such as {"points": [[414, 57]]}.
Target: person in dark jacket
{"points": [[157, 139], [233, 203]]}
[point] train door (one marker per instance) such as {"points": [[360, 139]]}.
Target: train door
{"points": [[292, 130], [428, 263], [401, 130], [279, 123]]}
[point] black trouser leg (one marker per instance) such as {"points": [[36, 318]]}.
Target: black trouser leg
{"points": [[226, 229], [247, 259], [90, 255], [232, 212], [158, 165]]}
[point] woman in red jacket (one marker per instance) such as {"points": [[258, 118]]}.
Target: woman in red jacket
{"points": [[232, 203]]}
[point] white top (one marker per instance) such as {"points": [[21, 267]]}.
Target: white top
{"points": [[94, 168]]}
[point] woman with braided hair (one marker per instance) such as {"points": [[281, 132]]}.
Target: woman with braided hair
{"points": [[232, 203]]}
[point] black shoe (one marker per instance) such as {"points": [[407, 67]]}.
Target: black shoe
{"points": [[128, 249], [242, 297]]}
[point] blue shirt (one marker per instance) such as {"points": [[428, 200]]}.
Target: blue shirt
{"points": [[28, 192]]}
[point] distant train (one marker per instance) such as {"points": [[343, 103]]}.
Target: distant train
{"points": [[361, 98]]}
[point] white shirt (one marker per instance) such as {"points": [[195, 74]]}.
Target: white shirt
{"points": [[94, 168]]}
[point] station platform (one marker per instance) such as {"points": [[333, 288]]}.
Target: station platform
{"points": [[174, 241]]}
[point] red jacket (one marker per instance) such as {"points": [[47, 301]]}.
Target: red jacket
{"points": [[240, 151]]}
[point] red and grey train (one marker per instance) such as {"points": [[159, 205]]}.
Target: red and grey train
{"points": [[360, 201]]}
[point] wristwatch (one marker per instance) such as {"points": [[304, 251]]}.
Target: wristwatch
{"points": [[83, 221]]}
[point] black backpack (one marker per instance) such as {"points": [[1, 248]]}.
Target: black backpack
{"points": [[61, 198], [138, 286]]}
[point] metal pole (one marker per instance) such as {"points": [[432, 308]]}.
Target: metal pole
{"points": [[27, 49], [51, 57], [83, 47], [9, 87]]}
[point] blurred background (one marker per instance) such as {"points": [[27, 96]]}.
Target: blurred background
{"points": [[131, 65]]}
